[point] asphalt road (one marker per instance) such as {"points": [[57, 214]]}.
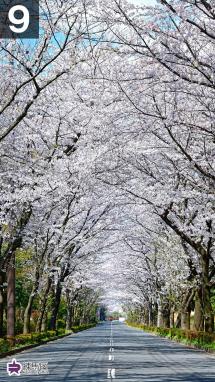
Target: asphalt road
{"points": [[114, 351]]}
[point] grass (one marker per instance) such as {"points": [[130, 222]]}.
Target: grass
{"points": [[200, 340], [23, 340]]}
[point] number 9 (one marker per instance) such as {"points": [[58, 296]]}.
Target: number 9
{"points": [[24, 20]]}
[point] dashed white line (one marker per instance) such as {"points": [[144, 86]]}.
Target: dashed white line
{"points": [[111, 373]]}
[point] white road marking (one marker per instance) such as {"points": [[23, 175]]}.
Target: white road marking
{"points": [[111, 373]]}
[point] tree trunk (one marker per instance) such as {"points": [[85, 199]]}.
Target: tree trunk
{"points": [[11, 275], [208, 311], [69, 317], [43, 306], [1, 303], [70, 305], [172, 318], [198, 314], [28, 310], [160, 317], [204, 317], [166, 316], [185, 320], [27, 314], [146, 316], [57, 299], [150, 315], [163, 320], [205, 301], [44, 323], [155, 314], [178, 320]]}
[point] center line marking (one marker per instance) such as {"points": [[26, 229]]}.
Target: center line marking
{"points": [[111, 374], [111, 357]]}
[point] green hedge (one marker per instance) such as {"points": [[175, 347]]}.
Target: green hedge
{"points": [[37, 338], [31, 338], [199, 339], [79, 328], [4, 345], [27, 339]]}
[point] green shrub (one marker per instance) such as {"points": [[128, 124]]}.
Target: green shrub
{"points": [[163, 332], [60, 332], [36, 338], [50, 333], [61, 324], [79, 328], [191, 337], [23, 339], [32, 338], [28, 339], [4, 345]]}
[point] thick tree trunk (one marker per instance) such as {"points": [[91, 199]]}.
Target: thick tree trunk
{"points": [[163, 320], [198, 314], [11, 275], [43, 306], [150, 315], [146, 316], [56, 304], [207, 309], [172, 318], [166, 316], [28, 310], [74, 315], [160, 317], [70, 310], [178, 320], [208, 316], [69, 317], [44, 323], [1, 303], [142, 316], [155, 314], [185, 320], [204, 317], [27, 314]]}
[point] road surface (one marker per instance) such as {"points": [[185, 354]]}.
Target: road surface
{"points": [[114, 351]]}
